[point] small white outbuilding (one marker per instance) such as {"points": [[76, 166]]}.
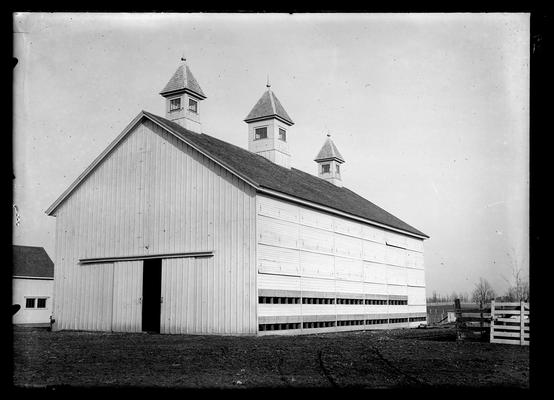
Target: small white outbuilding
{"points": [[32, 285], [172, 230]]}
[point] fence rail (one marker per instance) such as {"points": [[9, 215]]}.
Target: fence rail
{"points": [[472, 323], [510, 323]]}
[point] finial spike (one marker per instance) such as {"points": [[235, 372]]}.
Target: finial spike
{"points": [[267, 84], [183, 58]]}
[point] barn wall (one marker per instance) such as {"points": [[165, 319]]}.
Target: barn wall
{"points": [[303, 252], [155, 195]]}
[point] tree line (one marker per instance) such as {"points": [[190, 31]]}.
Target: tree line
{"points": [[483, 293]]}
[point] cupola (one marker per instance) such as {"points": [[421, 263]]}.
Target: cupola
{"points": [[182, 98], [328, 162], [268, 129]]}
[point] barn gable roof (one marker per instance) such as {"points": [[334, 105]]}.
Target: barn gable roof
{"points": [[263, 174], [32, 262]]}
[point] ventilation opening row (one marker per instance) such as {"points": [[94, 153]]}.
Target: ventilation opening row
{"points": [[328, 324], [326, 300]]}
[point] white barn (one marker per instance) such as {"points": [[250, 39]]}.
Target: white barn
{"points": [[171, 230], [32, 285]]}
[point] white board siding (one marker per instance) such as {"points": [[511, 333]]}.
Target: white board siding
{"points": [[319, 309], [315, 239], [347, 227], [398, 309], [421, 308], [375, 273], [153, 194], [127, 295], [277, 233], [348, 286], [395, 256], [416, 295], [416, 277], [397, 275], [335, 256], [271, 310], [317, 265], [318, 285], [348, 246], [397, 290], [372, 251], [278, 260], [285, 212], [312, 218], [374, 234], [278, 282], [375, 288], [190, 298], [350, 269], [351, 309]]}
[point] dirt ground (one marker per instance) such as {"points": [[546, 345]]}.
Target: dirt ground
{"points": [[364, 359]]}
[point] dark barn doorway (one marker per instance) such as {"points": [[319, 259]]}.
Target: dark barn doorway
{"points": [[151, 295]]}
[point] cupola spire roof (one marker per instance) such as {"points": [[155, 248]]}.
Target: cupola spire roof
{"points": [[268, 106], [329, 151], [183, 80]]}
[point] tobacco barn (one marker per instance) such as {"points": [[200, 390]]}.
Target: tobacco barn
{"points": [[174, 231]]}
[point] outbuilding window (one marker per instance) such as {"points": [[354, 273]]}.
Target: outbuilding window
{"points": [[35, 302], [193, 106], [260, 133], [326, 168], [175, 104]]}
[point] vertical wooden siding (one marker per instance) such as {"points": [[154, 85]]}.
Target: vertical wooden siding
{"points": [[154, 194], [127, 296]]}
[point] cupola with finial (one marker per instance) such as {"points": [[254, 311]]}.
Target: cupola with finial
{"points": [[268, 128], [328, 162], [183, 96]]}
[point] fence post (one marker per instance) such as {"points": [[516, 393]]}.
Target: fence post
{"points": [[521, 322], [458, 311], [492, 321], [481, 320]]}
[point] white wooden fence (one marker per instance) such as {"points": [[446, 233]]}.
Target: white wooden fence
{"points": [[510, 323]]}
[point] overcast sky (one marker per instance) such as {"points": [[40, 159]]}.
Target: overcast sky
{"points": [[430, 112]]}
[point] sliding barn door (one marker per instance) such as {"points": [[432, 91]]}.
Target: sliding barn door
{"points": [[127, 296]]}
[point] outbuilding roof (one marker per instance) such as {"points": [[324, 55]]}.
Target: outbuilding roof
{"points": [[268, 106], [294, 182], [329, 152], [32, 261], [183, 79]]}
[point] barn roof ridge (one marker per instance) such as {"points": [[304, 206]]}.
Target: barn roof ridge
{"points": [[292, 182]]}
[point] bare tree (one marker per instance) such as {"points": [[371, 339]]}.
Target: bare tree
{"points": [[483, 293], [519, 289]]}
